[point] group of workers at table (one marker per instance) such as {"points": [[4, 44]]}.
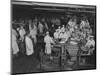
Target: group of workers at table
{"points": [[77, 37], [74, 34]]}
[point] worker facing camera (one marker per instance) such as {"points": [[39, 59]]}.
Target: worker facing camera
{"points": [[48, 41]]}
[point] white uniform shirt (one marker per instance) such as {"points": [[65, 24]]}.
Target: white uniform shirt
{"points": [[15, 47], [90, 43], [58, 30], [71, 23], [65, 36], [84, 24], [29, 46], [56, 35], [40, 27], [63, 29], [22, 33], [48, 40], [33, 32]]}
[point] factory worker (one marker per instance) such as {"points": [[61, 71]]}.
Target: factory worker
{"points": [[71, 23], [71, 26], [64, 36], [87, 24], [15, 48], [46, 26], [59, 29], [82, 35], [56, 34], [61, 35], [76, 35], [90, 41], [67, 35], [48, 41], [22, 33], [90, 44], [40, 27], [33, 33], [84, 24], [29, 45], [63, 29], [71, 29]]}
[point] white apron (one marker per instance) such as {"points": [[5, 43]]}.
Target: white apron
{"points": [[29, 46], [33, 34], [48, 40], [22, 33], [56, 35], [15, 48], [48, 48]]}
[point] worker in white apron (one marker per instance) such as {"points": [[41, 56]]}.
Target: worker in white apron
{"points": [[33, 33], [63, 29], [48, 40], [56, 34], [22, 33], [40, 27], [90, 43], [15, 48], [84, 24], [64, 36], [29, 45]]}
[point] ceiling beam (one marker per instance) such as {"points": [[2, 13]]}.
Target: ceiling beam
{"points": [[52, 4]]}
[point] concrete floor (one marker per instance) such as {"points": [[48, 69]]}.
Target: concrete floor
{"points": [[30, 64]]}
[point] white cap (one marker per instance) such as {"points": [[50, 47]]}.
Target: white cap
{"points": [[47, 32]]}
